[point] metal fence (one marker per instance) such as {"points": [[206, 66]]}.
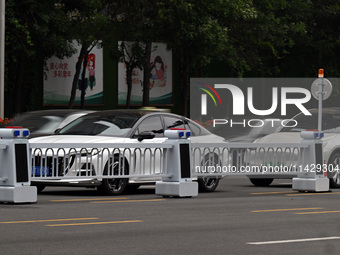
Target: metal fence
{"points": [[247, 159], [131, 160], [79, 161]]}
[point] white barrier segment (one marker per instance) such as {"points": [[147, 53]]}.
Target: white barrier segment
{"points": [[66, 161], [178, 164], [312, 175], [247, 159], [15, 167]]}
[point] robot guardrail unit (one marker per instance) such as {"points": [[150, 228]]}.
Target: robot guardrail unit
{"points": [[15, 167], [179, 163]]}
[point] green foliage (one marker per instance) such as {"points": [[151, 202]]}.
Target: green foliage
{"points": [[35, 31], [283, 38], [319, 46], [86, 20], [88, 24], [138, 26]]}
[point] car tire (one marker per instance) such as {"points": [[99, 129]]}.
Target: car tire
{"points": [[206, 183], [334, 176], [261, 182], [114, 186]]}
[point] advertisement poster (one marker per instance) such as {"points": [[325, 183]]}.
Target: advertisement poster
{"points": [[60, 74], [160, 81]]}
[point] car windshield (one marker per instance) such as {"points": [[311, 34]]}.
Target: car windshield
{"points": [[100, 125], [330, 123]]}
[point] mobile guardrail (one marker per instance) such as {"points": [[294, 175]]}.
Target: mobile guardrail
{"points": [[251, 159], [174, 161], [301, 161], [55, 161], [138, 160]]}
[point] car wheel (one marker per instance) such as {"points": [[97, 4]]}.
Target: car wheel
{"points": [[206, 183], [114, 186], [334, 176], [261, 182]]}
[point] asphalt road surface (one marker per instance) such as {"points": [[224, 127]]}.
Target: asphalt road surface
{"points": [[238, 218]]}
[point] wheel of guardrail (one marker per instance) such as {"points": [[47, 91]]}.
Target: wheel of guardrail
{"points": [[132, 187], [207, 183], [40, 187], [334, 173], [114, 186], [261, 182]]}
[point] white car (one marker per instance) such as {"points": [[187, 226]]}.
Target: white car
{"points": [[119, 126], [331, 140], [250, 134], [45, 122]]}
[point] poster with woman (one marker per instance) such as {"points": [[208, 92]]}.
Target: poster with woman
{"points": [[60, 75], [160, 79]]}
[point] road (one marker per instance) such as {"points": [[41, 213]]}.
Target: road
{"points": [[236, 219]]}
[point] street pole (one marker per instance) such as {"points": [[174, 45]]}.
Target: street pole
{"points": [[321, 92], [2, 57]]}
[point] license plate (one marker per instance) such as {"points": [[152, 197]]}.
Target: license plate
{"points": [[41, 171]]}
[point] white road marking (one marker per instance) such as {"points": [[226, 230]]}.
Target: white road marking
{"points": [[296, 240]]}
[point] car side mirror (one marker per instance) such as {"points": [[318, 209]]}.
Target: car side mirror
{"points": [[145, 135]]}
